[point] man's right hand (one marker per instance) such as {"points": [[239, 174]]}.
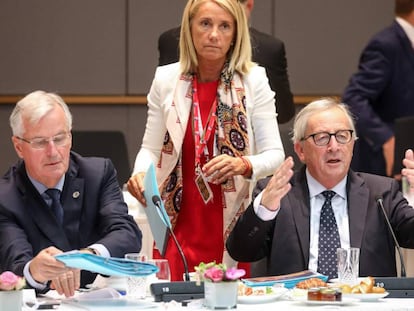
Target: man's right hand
{"points": [[45, 267], [408, 169], [278, 185]]}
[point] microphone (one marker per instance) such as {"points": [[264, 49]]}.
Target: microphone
{"points": [[179, 291], [381, 205], [158, 203]]}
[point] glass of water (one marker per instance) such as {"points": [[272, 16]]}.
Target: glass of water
{"points": [[136, 285], [348, 265]]}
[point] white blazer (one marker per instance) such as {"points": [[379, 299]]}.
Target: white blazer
{"points": [[266, 149]]}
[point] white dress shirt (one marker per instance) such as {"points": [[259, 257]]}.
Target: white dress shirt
{"points": [[408, 29]]}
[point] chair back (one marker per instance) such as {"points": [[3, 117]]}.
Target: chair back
{"points": [[108, 144], [404, 139]]}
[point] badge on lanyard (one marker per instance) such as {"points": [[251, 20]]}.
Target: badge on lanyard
{"points": [[201, 136], [203, 186]]}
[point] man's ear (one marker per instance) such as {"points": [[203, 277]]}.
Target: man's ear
{"points": [[298, 147], [17, 146]]}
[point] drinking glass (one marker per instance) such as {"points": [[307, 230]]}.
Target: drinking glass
{"points": [[136, 285], [163, 274], [348, 265]]}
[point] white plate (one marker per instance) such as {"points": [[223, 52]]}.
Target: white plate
{"points": [[344, 302], [253, 299], [366, 297]]}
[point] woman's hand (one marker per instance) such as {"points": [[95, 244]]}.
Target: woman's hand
{"points": [[388, 152], [223, 167], [135, 186]]}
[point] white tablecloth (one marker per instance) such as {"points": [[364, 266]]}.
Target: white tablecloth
{"points": [[280, 304], [384, 304]]}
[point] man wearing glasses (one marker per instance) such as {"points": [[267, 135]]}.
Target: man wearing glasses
{"points": [[53, 200], [298, 220]]}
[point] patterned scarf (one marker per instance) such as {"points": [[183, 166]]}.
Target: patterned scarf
{"points": [[231, 138]]}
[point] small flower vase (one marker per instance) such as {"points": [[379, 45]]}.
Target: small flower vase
{"points": [[220, 295], [11, 300]]}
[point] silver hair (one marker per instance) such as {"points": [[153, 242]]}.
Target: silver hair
{"points": [[301, 120], [35, 106]]}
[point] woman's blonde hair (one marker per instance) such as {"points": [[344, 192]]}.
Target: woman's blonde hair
{"points": [[240, 53]]}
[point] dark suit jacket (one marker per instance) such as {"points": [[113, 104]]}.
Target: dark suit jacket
{"points": [[285, 240], [94, 212], [267, 51], [381, 91]]}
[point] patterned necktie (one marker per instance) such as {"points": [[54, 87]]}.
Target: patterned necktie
{"points": [[56, 206], [328, 238]]}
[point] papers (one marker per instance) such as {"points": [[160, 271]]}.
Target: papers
{"points": [[107, 298], [157, 216], [289, 280], [106, 266]]}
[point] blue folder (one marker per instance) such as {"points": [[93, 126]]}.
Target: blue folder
{"points": [[289, 280], [158, 219], [107, 266]]}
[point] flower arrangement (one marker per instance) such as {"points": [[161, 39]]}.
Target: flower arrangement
{"points": [[214, 272], [10, 281]]}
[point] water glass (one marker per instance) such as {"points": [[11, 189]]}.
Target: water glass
{"points": [[136, 285], [348, 265], [163, 274]]}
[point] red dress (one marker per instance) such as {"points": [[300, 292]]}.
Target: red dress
{"points": [[199, 227]]}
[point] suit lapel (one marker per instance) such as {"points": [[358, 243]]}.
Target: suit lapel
{"points": [[40, 212], [299, 203], [72, 198], [406, 45], [358, 197]]}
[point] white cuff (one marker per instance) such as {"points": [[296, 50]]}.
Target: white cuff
{"points": [[262, 212], [30, 280]]}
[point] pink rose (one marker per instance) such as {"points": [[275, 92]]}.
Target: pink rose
{"points": [[234, 273], [215, 274], [10, 281]]}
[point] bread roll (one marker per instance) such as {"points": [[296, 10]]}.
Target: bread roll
{"points": [[378, 290], [367, 285]]}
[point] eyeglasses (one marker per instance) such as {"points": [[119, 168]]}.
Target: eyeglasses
{"points": [[323, 138], [58, 140]]}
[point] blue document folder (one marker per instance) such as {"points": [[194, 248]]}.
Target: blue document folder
{"points": [[289, 280], [107, 266], [157, 216]]}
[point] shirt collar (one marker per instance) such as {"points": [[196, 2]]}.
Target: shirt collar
{"points": [[407, 27], [315, 188], [42, 188]]}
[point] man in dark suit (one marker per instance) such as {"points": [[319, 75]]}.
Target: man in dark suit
{"points": [[89, 216], [382, 90], [267, 51], [284, 220]]}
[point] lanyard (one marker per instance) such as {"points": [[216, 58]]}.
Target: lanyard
{"points": [[201, 135]]}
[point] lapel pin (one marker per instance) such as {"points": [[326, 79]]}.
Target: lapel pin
{"points": [[76, 194]]}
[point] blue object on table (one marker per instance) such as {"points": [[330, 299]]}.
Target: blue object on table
{"points": [[289, 280], [107, 266], [157, 216]]}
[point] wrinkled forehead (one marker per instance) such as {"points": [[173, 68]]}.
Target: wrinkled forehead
{"points": [[330, 120]]}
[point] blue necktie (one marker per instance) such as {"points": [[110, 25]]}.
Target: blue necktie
{"points": [[329, 239], [56, 206]]}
